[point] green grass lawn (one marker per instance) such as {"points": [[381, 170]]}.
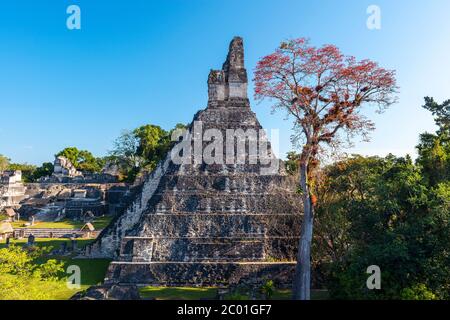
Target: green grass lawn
{"points": [[92, 273], [99, 223], [92, 270]]}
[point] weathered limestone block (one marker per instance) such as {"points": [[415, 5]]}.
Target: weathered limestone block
{"points": [[200, 273], [231, 82], [108, 243], [64, 168], [12, 190], [220, 225], [109, 292]]}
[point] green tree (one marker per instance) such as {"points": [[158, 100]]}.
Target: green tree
{"points": [[141, 149], [89, 163], [4, 162], [292, 162], [389, 217], [22, 272], [71, 153], [31, 173], [441, 113], [434, 149], [152, 140], [434, 158], [28, 170], [323, 91], [83, 160], [388, 212], [45, 170], [124, 154], [154, 143]]}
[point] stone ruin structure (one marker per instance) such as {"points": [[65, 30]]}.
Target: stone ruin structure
{"points": [[230, 83], [65, 172], [63, 168], [55, 201], [12, 190], [198, 224]]}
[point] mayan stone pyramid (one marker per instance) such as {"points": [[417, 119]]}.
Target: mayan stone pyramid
{"points": [[200, 223]]}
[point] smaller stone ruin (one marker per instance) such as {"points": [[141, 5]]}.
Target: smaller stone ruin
{"points": [[65, 172], [63, 168], [231, 81], [12, 190]]}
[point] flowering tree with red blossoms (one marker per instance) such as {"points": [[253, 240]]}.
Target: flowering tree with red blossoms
{"points": [[324, 91]]}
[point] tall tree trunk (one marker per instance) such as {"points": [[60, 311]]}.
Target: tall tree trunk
{"points": [[302, 278]]}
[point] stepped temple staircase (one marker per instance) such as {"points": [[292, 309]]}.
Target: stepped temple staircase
{"points": [[198, 224]]}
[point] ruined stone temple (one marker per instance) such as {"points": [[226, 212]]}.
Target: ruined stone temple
{"points": [[12, 190], [208, 224], [64, 168]]}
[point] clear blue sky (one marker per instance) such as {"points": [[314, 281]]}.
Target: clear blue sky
{"points": [[138, 62]]}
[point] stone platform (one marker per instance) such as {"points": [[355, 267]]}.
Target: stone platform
{"points": [[214, 274]]}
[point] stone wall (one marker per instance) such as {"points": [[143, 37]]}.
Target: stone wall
{"points": [[108, 243], [12, 190], [51, 233], [230, 82], [200, 274], [99, 199]]}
